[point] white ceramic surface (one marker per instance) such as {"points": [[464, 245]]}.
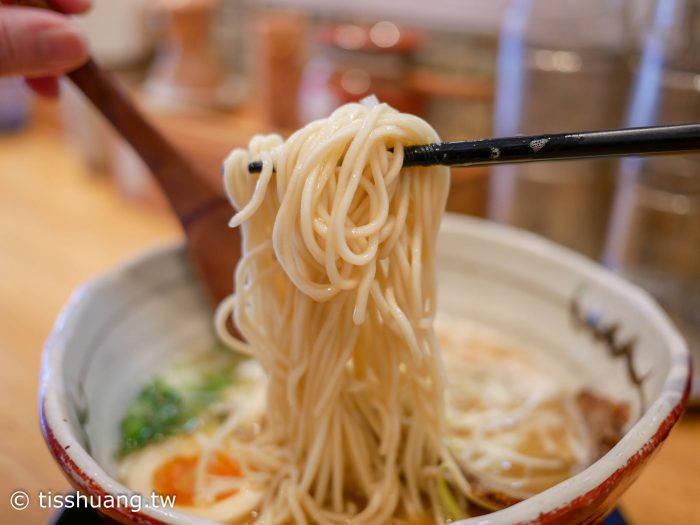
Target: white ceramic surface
{"points": [[120, 330]]}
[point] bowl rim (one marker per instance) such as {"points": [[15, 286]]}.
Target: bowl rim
{"points": [[593, 483]]}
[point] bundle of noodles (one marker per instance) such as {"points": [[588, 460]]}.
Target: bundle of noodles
{"points": [[335, 296]]}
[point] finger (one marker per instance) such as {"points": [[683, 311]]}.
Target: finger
{"points": [[44, 86], [37, 43], [64, 6], [71, 6]]}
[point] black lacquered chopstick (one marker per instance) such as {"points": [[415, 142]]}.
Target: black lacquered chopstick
{"points": [[560, 146]]}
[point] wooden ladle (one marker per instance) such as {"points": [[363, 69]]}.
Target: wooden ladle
{"points": [[213, 247]]}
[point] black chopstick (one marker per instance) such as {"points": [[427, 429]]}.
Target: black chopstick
{"points": [[560, 146]]}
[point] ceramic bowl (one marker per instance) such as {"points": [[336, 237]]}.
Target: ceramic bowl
{"points": [[121, 329]]}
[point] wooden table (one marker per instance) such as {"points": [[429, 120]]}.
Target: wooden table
{"points": [[60, 225]]}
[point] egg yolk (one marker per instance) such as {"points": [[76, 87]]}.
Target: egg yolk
{"points": [[177, 476]]}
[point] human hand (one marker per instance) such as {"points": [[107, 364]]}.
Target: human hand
{"points": [[40, 44]]}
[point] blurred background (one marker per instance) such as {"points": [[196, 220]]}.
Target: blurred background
{"points": [[211, 73]]}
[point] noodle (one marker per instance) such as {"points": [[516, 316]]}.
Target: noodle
{"points": [[346, 414], [335, 296]]}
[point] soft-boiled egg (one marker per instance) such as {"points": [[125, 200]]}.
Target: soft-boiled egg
{"points": [[170, 468]]}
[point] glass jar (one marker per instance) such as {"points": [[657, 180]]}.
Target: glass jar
{"points": [[561, 68], [654, 236]]}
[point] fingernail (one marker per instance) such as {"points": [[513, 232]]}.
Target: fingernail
{"points": [[62, 47]]}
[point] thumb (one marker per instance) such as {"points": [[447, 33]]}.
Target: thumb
{"points": [[37, 43]]}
